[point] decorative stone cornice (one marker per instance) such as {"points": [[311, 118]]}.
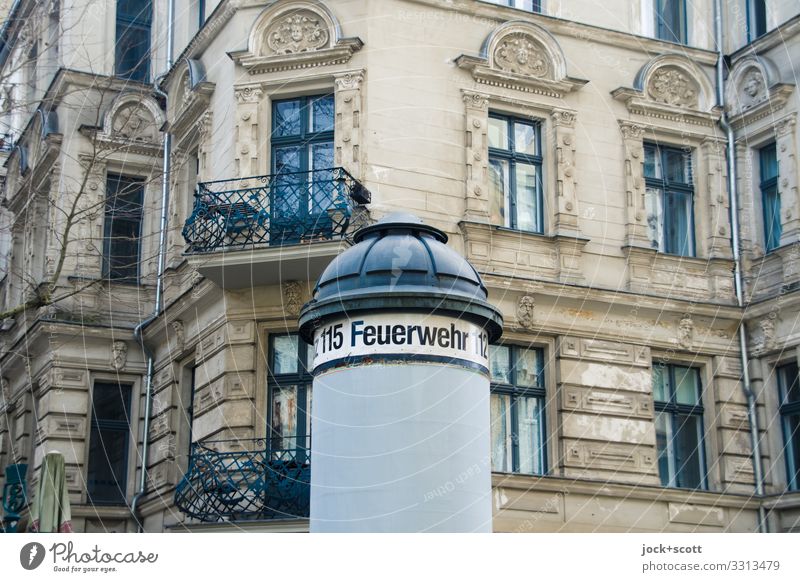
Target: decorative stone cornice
{"points": [[295, 35], [776, 99], [639, 104], [522, 56]]}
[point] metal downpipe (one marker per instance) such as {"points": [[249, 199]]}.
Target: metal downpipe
{"points": [[159, 299], [752, 413]]}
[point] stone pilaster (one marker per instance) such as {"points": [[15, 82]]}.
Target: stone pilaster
{"points": [[246, 161], [566, 203], [347, 134], [716, 191], [477, 152], [635, 212]]}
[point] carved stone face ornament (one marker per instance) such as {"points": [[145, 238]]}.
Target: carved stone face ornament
{"points": [[686, 333], [520, 55], [753, 89], [119, 354], [297, 33]]}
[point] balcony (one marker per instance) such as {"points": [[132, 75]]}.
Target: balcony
{"points": [[255, 479], [263, 230]]}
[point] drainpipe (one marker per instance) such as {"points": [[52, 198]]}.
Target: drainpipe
{"points": [[159, 299], [737, 272]]}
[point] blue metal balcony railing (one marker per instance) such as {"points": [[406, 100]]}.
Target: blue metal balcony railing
{"points": [[269, 480], [6, 142], [280, 209]]}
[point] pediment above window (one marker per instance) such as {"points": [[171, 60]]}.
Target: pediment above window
{"points": [[190, 95], [753, 91], [671, 88], [524, 57], [132, 123], [295, 35]]}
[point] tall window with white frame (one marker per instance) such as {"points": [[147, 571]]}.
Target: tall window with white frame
{"points": [[132, 49], [515, 165], [756, 19], [290, 379], [679, 426], [107, 468], [517, 409], [669, 199], [529, 5], [122, 228], [789, 391], [671, 20], [770, 196], [302, 161]]}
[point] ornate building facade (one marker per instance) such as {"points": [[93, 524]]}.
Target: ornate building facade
{"points": [[173, 190]]}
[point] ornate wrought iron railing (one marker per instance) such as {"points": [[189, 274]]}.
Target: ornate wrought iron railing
{"points": [[280, 209], [15, 496], [247, 479]]}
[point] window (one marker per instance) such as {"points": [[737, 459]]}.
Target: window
{"points": [[201, 13], [290, 379], [302, 159], [789, 389], [770, 197], [671, 20], [517, 409], [669, 201], [515, 173], [134, 18], [123, 221], [107, 472], [756, 19], [529, 5], [679, 426]]}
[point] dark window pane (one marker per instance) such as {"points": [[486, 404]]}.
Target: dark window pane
{"points": [[525, 141], [679, 238], [670, 20], [107, 470], [759, 17], [111, 402], [108, 443], [652, 162], [688, 458], [123, 222], [791, 430], [660, 383], [499, 184], [677, 166], [132, 48], [286, 118], [322, 114], [768, 161], [772, 218], [789, 383]]}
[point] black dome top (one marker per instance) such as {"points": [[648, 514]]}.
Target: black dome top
{"points": [[400, 264], [400, 254]]}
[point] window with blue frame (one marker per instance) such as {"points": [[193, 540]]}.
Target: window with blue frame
{"points": [[517, 409], [515, 173], [789, 391], [107, 468], [290, 379], [677, 393], [302, 162], [756, 19], [669, 199], [122, 228], [671, 20], [770, 196], [132, 49], [529, 5]]}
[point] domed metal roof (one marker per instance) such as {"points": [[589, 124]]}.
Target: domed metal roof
{"points": [[400, 253], [400, 264]]}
